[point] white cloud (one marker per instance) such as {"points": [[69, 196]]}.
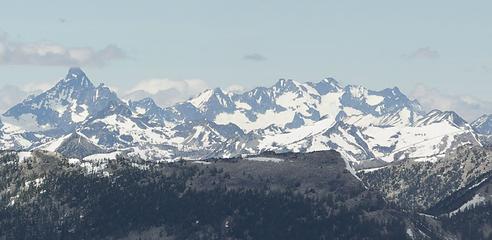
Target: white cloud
{"points": [[468, 107], [423, 53], [155, 85], [36, 87], [166, 92], [236, 88], [47, 53], [10, 96]]}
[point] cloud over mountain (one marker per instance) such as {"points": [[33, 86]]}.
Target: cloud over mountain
{"points": [[9, 96], [467, 106], [166, 92], [53, 54]]}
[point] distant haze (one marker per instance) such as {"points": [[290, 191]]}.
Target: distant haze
{"points": [[441, 46]]}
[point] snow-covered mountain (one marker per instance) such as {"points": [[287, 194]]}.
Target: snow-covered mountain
{"points": [[14, 138], [483, 124], [289, 116], [65, 106], [360, 123], [289, 104]]}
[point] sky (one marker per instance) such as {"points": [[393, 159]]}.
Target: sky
{"points": [[438, 51]]}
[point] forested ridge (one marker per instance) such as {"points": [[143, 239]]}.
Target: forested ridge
{"points": [[308, 196]]}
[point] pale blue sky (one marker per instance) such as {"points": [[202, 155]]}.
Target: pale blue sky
{"points": [[441, 44]]}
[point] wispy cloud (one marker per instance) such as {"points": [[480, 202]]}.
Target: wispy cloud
{"points": [[166, 92], [236, 88], [53, 54], [36, 87], [423, 53], [11, 95], [254, 57], [468, 107]]}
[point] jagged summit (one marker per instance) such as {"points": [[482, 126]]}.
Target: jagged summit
{"points": [[212, 100], [287, 85], [148, 107], [70, 102], [327, 85], [77, 77], [75, 72], [287, 116]]}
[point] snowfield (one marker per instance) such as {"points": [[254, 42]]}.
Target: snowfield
{"points": [[361, 124]]}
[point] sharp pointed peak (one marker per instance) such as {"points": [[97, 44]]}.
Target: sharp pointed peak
{"points": [[76, 71], [206, 95], [77, 77]]}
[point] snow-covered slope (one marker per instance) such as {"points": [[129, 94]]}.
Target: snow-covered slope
{"points": [[483, 124], [74, 145], [70, 102], [289, 116], [360, 123], [15, 138], [290, 104]]}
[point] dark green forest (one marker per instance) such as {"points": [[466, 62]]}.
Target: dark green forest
{"points": [[308, 196]]}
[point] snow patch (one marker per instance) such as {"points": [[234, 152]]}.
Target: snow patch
{"points": [[23, 156], [202, 162], [477, 199], [265, 159], [374, 100], [102, 156]]}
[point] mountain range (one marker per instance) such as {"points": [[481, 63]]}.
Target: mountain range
{"points": [[367, 127], [341, 161]]}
